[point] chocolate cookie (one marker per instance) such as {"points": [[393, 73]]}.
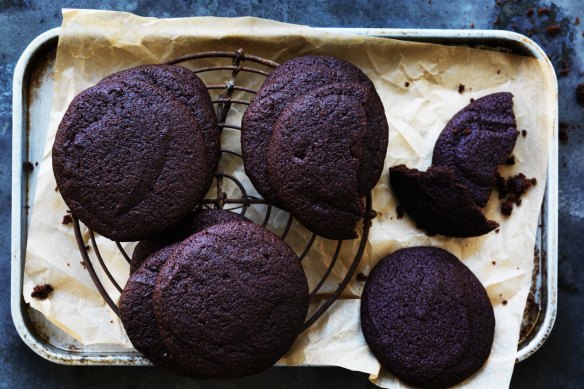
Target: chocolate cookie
{"points": [[290, 80], [320, 159], [426, 317], [129, 160], [195, 222], [231, 301], [187, 88], [137, 312], [437, 202], [478, 139]]}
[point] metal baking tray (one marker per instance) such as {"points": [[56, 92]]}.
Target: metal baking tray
{"points": [[32, 97]]}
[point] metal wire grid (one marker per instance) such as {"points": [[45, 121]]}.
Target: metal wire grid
{"points": [[224, 103]]}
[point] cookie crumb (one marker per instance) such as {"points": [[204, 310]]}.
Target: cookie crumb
{"points": [[516, 185], [460, 88], [27, 166], [67, 219], [472, 100], [524, 133], [507, 207], [497, 230], [406, 84], [494, 263], [511, 190], [504, 302], [519, 184], [83, 264], [41, 292], [400, 211], [510, 160], [498, 71]]}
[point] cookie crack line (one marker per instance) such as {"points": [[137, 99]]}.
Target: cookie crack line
{"points": [[146, 183]]}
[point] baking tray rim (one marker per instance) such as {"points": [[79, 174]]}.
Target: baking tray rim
{"points": [[18, 250]]}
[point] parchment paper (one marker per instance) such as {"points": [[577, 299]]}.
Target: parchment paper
{"points": [[94, 44]]}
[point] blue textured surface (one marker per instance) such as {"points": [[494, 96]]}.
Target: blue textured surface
{"points": [[557, 364]]}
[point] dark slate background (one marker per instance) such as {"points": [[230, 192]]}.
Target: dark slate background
{"points": [[558, 364]]}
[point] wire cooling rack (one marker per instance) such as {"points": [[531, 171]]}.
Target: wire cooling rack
{"points": [[261, 67]]}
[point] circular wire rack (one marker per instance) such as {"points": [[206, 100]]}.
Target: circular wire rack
{"points": [[223, 103]]}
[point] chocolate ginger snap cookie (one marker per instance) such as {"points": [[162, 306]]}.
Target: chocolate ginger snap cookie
{"points": [[129, 159], [476, 141], [321, 161], [187, 88], [193, 223], [137, 311], [426, 317], [231, 301], [287, 82]]}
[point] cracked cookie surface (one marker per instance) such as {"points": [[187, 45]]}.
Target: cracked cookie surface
{"points": [[231, 301], [129, 159]]}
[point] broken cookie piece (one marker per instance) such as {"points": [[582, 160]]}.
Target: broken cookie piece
{"points": [[476, 141], [438, 203]]}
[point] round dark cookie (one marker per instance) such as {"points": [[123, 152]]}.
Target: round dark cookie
{"points": [[323, 64], [316, 155], [288, 81], [137, 312], [478, 139], [128, 160], [193, 223], [426, 317], [188, 88], [438, 203], [231, 301]]}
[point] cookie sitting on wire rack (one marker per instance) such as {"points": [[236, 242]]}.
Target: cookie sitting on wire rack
{"points": [[160, 152]]}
